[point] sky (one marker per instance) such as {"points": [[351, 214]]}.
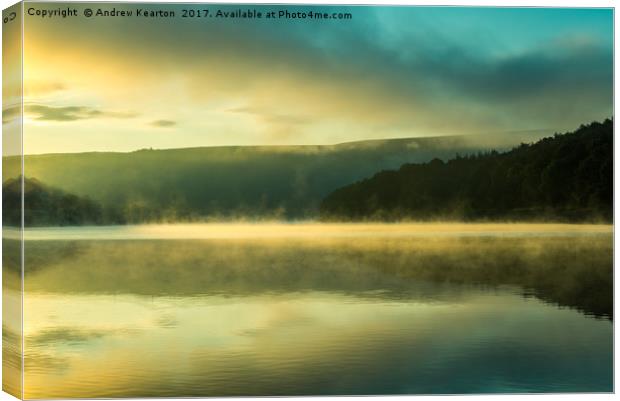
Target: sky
{"points": [[121, 84]]}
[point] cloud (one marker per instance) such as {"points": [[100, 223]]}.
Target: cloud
{"points": [[71, 113], [164, 123], [390, 71], [547, 71]]}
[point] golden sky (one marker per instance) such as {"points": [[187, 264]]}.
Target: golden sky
{"points": [[114, 84]]}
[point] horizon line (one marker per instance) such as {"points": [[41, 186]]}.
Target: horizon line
{"points": [[541, 130]]}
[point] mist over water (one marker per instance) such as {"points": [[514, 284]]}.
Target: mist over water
{"points": [[299, 309]]}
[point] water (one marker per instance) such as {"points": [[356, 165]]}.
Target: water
{"points": [[311, 309]]}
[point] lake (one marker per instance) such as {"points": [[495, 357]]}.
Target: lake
{"points": [[308, 308]]}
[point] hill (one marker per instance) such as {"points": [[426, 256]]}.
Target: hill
{"points": [[283, 182], [564, 177], [46, 206]]}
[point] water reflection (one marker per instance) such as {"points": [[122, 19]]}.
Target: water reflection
{"points": [[569, 271], [273, 316]]}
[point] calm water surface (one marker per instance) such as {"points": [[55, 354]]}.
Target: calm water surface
{"points": [[311, 309]]}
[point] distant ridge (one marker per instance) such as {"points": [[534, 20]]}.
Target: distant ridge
{"points": [[483, 140], [231, 182], [564, 177]]}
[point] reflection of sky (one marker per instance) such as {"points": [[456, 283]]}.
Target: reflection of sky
{"points": [[309, 343], [107, 84], [322, 315]]}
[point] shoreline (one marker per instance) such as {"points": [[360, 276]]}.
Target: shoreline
{"points": [[305, 230]]}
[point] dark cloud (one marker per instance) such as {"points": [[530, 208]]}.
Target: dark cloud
{"points": [[72, 113], [552, 84], [164, 123], [553, 89], [528, 74], [447, 83], [390, 67]]}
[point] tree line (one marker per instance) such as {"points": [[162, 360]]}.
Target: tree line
{"points": [[48, 206], [567, 177]]}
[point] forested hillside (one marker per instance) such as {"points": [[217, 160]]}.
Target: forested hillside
{"points": [[565, 177], [230, 182], [47, 206]]}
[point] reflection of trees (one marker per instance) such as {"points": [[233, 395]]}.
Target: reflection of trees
{"points": [[570, 271]]}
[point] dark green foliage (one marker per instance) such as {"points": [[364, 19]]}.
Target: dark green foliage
{"points": [[47, 206], [565, 177], [256, 182]]}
